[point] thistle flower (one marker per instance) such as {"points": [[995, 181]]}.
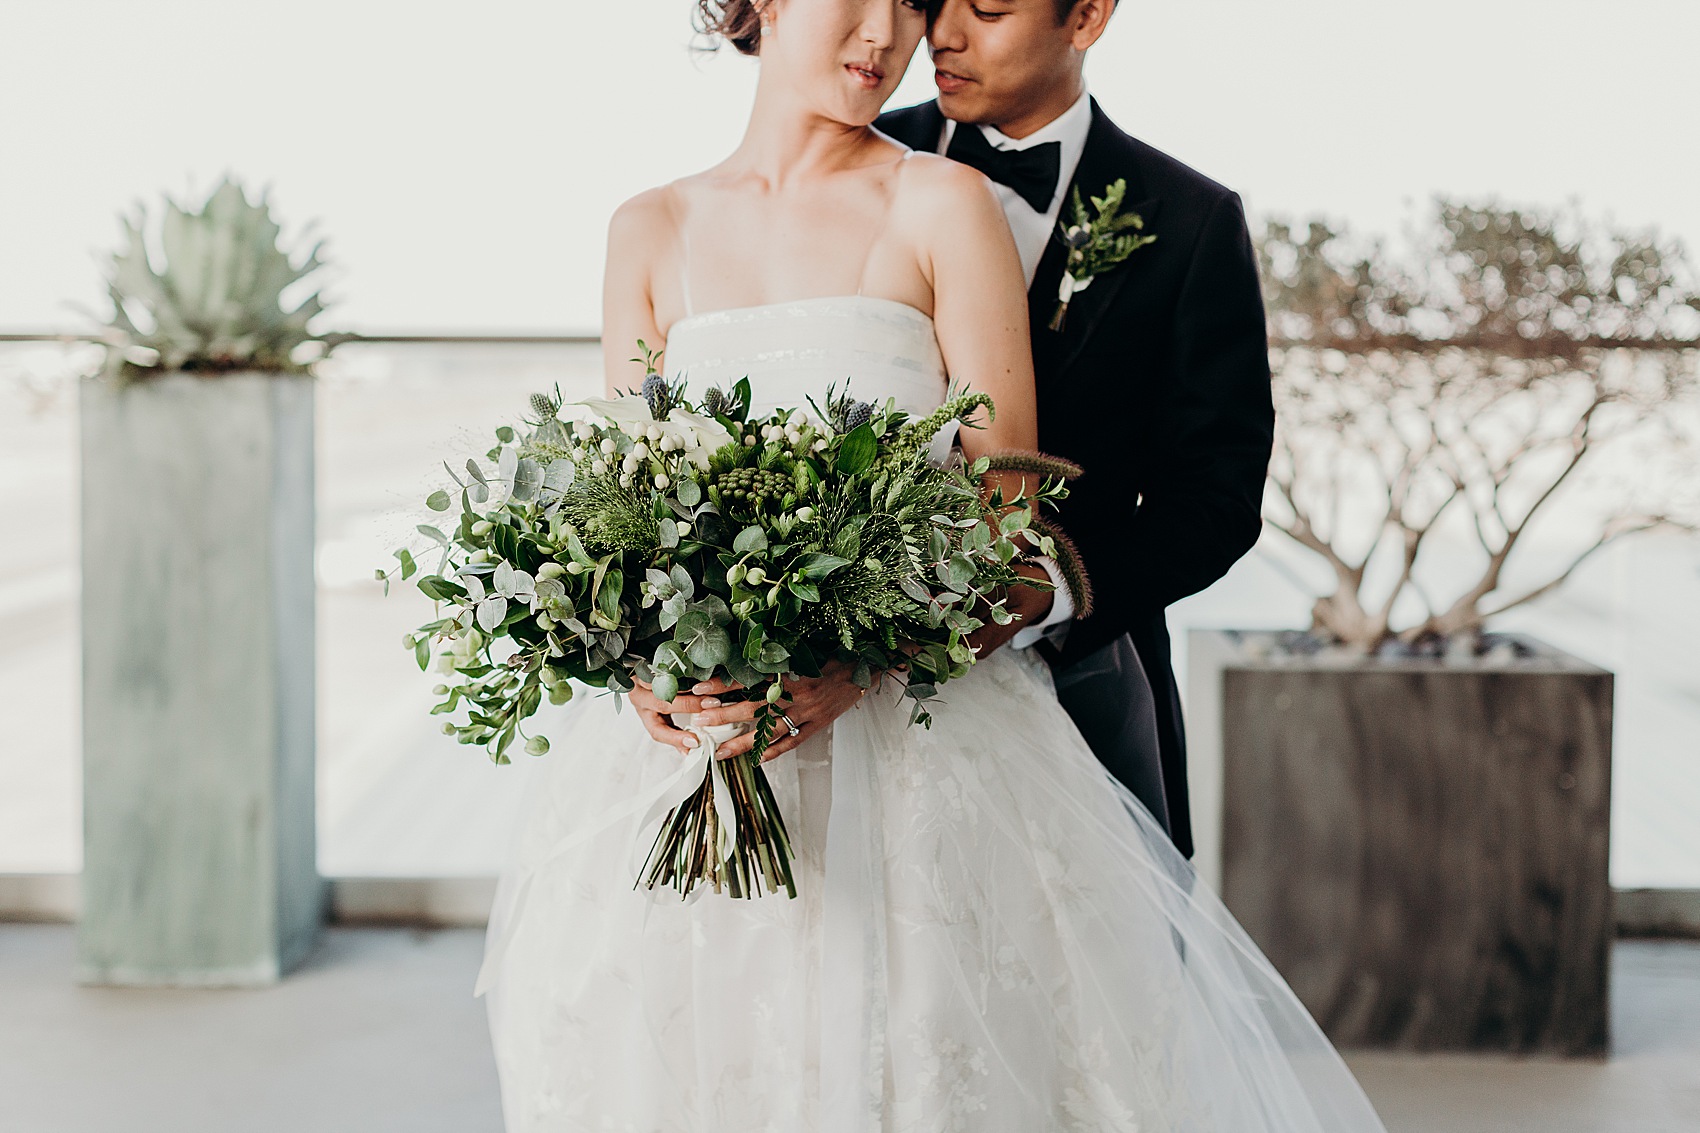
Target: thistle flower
{"points": [[655, 393], [859, 414], [714, 402], [543, 407]]}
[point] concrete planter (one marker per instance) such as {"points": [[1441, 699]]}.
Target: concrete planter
{"points": [[1419, 846], [198, 703]]}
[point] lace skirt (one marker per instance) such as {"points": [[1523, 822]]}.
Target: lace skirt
{"points": [[990, 934]]}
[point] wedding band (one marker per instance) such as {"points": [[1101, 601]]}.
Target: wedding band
{"points": [[790, 723]]}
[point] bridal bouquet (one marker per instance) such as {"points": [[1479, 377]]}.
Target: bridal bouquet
{"points": [[649, 538]]}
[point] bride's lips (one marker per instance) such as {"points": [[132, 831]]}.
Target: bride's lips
{"points": [[868, 75], [948, 82]]}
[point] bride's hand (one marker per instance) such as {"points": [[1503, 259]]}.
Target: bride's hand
{"points": [[654, 712], [812, 703]]}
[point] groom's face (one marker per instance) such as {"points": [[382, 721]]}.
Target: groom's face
{"points": [[997, 61]]}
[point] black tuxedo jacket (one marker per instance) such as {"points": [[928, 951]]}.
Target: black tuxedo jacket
{"points": [[1158, 386]]}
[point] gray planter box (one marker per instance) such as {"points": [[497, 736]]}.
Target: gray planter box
{"points": [[198, 744], [1420, 847]]}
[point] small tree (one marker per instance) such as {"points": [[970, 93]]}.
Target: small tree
{"points": [[1481, 378]]}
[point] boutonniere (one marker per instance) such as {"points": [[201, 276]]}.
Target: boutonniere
{"points": [[1096, 243]]}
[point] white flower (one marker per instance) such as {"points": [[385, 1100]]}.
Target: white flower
{"points": [[661, 480], [599, 468], [608, 446], [690, 433]]}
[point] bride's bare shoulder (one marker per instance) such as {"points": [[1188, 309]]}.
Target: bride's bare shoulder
{"points": [[645, 222], [936, 189]]}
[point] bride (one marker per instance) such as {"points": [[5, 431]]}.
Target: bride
{"points": [[990, 933]]}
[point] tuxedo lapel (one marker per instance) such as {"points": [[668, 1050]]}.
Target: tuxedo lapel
{"points": [[919, 127], [1106, 159]]}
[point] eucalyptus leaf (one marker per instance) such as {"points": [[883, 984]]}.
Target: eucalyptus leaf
{"points": [[528, 478], [491, 611]]}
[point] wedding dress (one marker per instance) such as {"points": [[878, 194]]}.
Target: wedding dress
{"points": [[990, 933]]}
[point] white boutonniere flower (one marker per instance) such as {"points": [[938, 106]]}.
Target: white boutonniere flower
{"points": [[1096, 243]]}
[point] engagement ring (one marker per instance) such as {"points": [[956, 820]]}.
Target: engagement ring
{"points": [[790, 723]]}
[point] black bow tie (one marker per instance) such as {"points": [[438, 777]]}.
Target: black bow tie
{"points": [[1031, 172]]}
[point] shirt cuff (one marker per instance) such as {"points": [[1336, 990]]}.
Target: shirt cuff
{"points": [[1062, 607]]}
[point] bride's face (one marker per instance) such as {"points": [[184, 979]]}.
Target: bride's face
{"points": [[843, 57]]}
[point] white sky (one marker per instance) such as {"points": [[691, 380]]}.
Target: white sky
{"points": [[463, 158]]}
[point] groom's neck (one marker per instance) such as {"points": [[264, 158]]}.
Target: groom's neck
{"points": [[1030, 115]]}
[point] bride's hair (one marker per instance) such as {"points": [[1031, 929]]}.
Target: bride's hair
{"points": [[737, 22]]}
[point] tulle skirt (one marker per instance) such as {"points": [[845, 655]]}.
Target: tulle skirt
{"points": [[990, 934]]}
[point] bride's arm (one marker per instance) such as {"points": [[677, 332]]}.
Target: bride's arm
{"points": [[980, 316], [979, 301], [639, 239]]}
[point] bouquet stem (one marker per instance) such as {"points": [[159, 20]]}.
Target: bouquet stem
{"points": [[687, 851]]}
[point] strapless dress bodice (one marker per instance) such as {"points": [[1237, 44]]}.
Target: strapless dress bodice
{"points": [[792, 351]]}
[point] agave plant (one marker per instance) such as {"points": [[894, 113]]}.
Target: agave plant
{"points": [[215, 302]]}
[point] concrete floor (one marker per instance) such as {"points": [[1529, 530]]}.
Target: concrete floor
{"points": [[379, 1032]]}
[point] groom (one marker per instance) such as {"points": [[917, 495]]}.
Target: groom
{"points": [[1157, 382]]}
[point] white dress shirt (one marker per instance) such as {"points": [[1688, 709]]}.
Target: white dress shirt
{"points": [[1032, 230]]}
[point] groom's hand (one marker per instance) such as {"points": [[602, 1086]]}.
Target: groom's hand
{"points": [[1030, 603], [813, 703]]}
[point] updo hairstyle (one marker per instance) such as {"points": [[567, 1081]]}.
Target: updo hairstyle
{"points": [[737, 22]]}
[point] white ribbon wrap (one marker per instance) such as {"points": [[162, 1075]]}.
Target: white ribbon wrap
{"points": [[653, 806]]}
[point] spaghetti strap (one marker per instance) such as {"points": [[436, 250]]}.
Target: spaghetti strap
{"points": [[885, 221], [676, 205]]}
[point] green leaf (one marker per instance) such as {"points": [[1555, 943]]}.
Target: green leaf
{"points": [[433, 534], [408, 566], [505, 434], [689, 492], [666, 685], [528, 478], [437, 501], [961, 571], [818, 565], [577, 551], [669, 537], [422, 653], [506, 541], [681, 580], [669, 658], [711, 647], [440, 589], [608, 594], [491, 611], [807, 591], [917, 590], [1014, 521], [857, 451], [750, 539]]}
